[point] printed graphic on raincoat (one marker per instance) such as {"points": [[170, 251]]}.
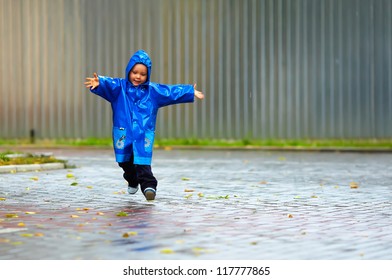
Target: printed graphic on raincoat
{"points": [[135, 109]]}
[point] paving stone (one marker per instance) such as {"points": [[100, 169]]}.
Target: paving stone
{"points": [[238, 205]]}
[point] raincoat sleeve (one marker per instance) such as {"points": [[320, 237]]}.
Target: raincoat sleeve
{"points": [[172, 94], [109, 88]]}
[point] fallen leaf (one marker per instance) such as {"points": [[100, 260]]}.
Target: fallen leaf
{"points": [[289, 216], [89, 187], [30, 213], [11, 215], [354, 185], [74, 216], [70, 175], [21, 224], [167, 251], [121, 214], [34, 178], [74, 184], [129, 233], [100, 213], [188, 190], [314, 196], [2, 198], [4, 240], [188, 196], [263, 183], [185, 179], [200, 194], [26, 234], [38, 234]]}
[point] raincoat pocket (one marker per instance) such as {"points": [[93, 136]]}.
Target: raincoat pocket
{"points": [[119, 135], [149, 141]]}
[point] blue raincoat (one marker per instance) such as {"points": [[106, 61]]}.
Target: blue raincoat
{"points": [[135, 110]]}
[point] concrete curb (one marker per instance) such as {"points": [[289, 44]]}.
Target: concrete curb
{"points": [[31, 167]]}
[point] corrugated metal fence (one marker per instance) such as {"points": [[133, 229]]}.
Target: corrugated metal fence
{"points": [[269, 68]]}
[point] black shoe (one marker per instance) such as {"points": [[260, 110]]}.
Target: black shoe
{"points": [[149, 193]]}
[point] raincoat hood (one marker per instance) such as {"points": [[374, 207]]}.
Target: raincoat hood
{"points": [[139, 57]]}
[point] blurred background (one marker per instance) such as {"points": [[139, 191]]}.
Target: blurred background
{"points": [[270, 69]]}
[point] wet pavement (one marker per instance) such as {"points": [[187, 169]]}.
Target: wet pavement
{"points": [[209, 205]]}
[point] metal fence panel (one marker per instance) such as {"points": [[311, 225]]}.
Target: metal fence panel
{"points": [[269, 68]]}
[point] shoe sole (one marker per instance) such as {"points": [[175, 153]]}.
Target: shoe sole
{"points": [[150, 195]]}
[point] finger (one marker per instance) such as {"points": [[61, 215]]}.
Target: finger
{"points": [[95, 75]]}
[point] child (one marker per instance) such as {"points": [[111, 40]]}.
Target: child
{"points": [[135, 102]]}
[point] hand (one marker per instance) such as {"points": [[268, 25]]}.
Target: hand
{"points": [[198, 94], [92, 82]]}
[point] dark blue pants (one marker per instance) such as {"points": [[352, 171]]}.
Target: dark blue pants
{"points": [[136, 174]]}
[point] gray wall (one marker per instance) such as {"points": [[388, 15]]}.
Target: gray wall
{"points": [[268, 68]]}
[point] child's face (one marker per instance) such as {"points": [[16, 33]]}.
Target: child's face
{"points": [[138, 74]]}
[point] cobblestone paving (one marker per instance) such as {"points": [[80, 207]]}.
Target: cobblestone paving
{"points": [[209, 205]]}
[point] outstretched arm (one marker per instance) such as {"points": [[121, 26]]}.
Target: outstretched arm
{"points": [[198, 94], [92, 83]]}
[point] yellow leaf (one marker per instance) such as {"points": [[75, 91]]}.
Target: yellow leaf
{"points": [[168, 148], [200, 194], [70, 175], [354, 185], [100, 213], [89, 187], [2, 198], [188, 196], [27, 235], [74, 216], [188, 190], [21, 225], [11, 215], [185, 179], [39, 234], [289, 216], [34, 178], [129, 233], [30, 213], [167, 251]]}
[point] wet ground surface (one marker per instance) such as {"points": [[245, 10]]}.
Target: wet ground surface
{"points": [[209, 205]]}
